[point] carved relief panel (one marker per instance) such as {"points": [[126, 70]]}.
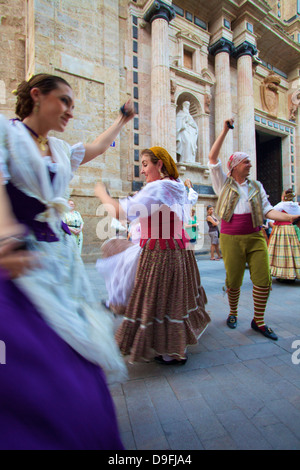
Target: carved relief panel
{"points": [[270, 94]]}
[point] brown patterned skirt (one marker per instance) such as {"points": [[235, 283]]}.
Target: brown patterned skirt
{"points": [[166, 310]]}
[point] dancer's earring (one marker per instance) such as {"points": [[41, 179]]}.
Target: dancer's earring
{"points": [[36, 107], [161, 174]]}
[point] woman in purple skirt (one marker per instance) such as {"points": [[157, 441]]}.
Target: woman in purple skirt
{"points": [[57, 348]]}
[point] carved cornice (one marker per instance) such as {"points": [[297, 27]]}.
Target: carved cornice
{"points": [[222, 45], [159, 9]]}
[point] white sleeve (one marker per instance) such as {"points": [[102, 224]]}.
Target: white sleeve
{"points": [[77, 155], [143, 203], [3, 169], [3, 150], [192, 196], [218, 177], [265, 202]]}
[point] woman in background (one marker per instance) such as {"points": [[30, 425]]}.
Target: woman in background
{"points": [[213, 232], [191, 227], [75, 223], [284, 245]]}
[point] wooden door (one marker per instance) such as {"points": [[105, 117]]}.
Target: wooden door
{"points": [[269, 165]]}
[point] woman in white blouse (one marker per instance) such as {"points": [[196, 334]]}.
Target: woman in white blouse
{"points": [[53, 393], [166, 309]]}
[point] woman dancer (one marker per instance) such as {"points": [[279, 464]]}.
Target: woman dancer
{"points": [[166, 309], [37, 170], [284, 245]]}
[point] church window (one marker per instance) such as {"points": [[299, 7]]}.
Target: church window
{"points": [[179, 11], [189, 16], [202, 24], [188, 59]]}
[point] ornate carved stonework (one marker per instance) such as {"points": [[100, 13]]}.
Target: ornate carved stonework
{"points": [[207, 100], [246, 48], [269, 94], [187, 35], [173, 86], [160, 9], [294, 103], [222, 45]]}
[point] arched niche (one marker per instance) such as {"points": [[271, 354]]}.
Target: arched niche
{"points": [[196, 112]]}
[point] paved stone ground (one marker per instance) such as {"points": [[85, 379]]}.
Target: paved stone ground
{"points": [[238, 389]]}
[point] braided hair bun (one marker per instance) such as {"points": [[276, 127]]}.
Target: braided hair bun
{"points": [[45, 82]]}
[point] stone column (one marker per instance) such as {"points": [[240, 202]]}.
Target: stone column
{"points": [[159, 15], [245, 99], [223, 108]]}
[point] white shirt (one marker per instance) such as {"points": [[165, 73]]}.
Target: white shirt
{"points": [[218, 178]]}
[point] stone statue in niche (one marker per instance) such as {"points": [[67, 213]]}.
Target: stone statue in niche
{"points": [[269, 94], [186, 134], [294, 103]]}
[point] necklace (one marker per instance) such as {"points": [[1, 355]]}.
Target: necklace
{"points": [[42, 141]]}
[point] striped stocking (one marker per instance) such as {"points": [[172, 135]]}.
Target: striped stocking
{"points": [[233, 299], [260, 298]]}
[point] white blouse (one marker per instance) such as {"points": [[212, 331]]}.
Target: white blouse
{"points": [[171, 193], [21, 162]]}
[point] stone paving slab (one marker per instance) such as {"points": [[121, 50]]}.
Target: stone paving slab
{"points": [[238, 390]]}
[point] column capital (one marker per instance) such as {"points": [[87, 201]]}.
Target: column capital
{"points": [[222, 45], [246, 48], [159, 9]]}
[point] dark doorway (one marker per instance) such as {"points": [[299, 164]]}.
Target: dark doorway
{"points": [[269, 166]]}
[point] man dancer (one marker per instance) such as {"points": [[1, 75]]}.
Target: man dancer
{"points": [[242, 206]]}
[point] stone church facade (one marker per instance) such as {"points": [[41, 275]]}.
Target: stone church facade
{"points": [[236, 58]]}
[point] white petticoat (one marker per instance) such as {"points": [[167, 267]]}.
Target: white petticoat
{"points": [[119, 274]]}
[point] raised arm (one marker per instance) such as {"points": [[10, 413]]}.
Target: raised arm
{"points": [[215, 150], [103, 141], [111, 205]]}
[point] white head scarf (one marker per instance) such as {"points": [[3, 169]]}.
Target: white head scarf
{"points": [[235, 159]]}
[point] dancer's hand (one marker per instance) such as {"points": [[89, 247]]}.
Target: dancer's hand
{"points": [[127, 111], [14, 259], [229, 124]]}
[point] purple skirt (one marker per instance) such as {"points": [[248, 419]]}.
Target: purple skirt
{"points": [[50, 396]]}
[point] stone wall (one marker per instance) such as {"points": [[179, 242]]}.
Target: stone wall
{"points": [[12, 52], [85, 46]]}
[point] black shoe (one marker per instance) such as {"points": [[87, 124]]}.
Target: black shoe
{"points": [[232, 321], [173, 362], [286, 281], [264, 330]]}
